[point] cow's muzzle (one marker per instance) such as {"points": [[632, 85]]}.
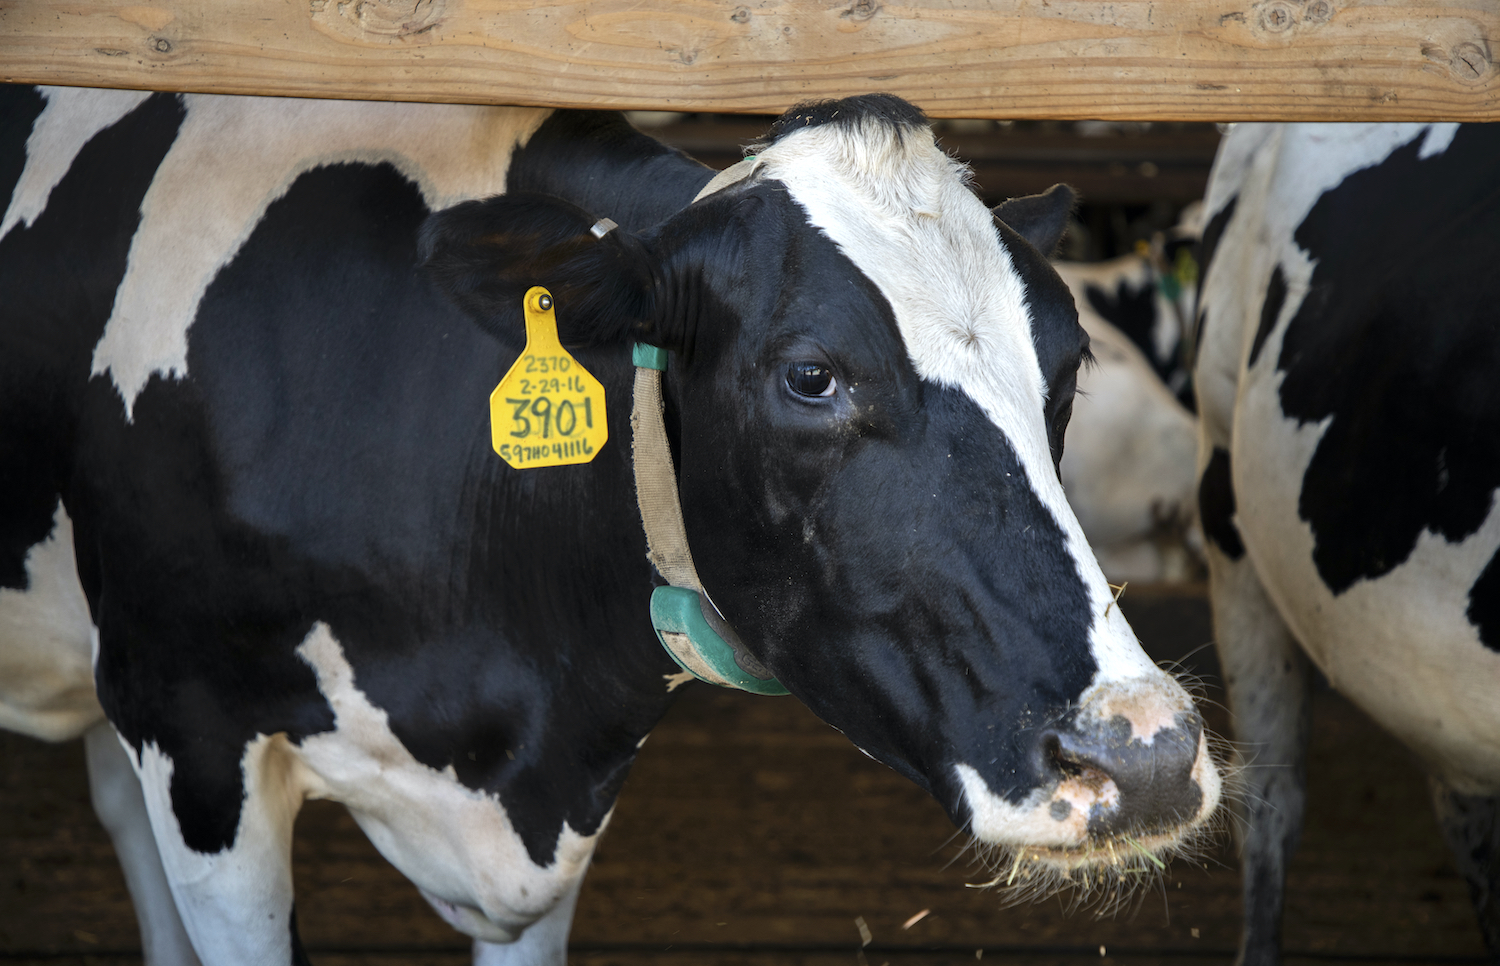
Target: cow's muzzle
{"points": [[1125, 775], [1130, 785]]}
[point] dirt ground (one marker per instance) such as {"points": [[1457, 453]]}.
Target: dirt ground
{"points": [[751, 833]]}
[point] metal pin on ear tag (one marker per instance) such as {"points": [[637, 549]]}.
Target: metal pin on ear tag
{"points": [[548, 410]]}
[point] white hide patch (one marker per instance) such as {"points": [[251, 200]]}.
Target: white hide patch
{"points": [[236, 905], [901, 211], [71, 117], [46, 645], [1439, 136], [456, 844], [1028, 824], [235, 156]]}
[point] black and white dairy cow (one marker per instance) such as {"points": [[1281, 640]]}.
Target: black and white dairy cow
{"points": [[244, 372], [1128, 467], [1349, 397]]}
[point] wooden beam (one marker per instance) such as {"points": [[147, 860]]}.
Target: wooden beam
{"points": [[1113, 59]]}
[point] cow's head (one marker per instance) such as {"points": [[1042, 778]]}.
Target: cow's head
{"points": [[872, 375]]}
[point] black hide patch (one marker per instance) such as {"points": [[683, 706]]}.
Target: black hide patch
{"points": [[198, 615], [57, 288], [19, 109], [1061, 342], [1216, 505], [1208, 247], [597, 161], [1398, 341], [328, 459], [1484, 604], [1132, 310], [885, 109], [1270, 311]]}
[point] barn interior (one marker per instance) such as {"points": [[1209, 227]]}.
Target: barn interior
{"points": [[751, 833]]}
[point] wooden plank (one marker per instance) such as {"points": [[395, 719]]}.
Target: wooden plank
{"points": [[1139, 59]]}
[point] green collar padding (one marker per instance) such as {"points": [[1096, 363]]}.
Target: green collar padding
{"points": [[677, 615], [648, 356]]}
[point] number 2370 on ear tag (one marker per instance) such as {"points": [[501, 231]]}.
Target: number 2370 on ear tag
{"points": [[548, 410]]}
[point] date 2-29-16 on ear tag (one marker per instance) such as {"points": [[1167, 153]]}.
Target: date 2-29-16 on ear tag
{"points": [[548, 410]]}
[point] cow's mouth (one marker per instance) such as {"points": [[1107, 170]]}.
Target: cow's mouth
{"points": [[1104, 873], [1062, 840]]}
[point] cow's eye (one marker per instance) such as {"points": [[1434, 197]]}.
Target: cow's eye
{"points": [[810, 379]]}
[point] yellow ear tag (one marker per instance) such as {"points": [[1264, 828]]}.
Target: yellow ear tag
{"points": [[548, 410]]}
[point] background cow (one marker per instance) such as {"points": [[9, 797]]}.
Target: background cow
{"points": [[1149, 296], [245, 362], [1350, 413], [1128, 467]]}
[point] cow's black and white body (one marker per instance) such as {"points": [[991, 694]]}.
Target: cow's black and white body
{"points": [[1349, 396], [246, 364]]}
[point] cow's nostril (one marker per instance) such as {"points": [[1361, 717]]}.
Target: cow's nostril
{"points": [[1152, 775], [1055, 757], [1067, 757]]}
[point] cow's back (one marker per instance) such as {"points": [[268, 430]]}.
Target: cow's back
{"points": [[1349, 350]]}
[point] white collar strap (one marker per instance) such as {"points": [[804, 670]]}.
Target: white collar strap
{"points": [[687, 623]]}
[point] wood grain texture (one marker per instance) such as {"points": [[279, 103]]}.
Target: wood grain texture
{"points": [[1137, 59]]}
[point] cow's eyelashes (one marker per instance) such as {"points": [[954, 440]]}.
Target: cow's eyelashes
{"points": [[1062, 418], [810, 379]]}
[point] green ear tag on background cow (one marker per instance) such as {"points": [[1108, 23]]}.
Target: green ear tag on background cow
{"points": [[548, 410]]}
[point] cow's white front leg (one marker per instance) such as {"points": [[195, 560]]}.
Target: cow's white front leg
{"points": [[1471, 827], [116, 794], [544, 943], [236, 904], [1267, 677]]}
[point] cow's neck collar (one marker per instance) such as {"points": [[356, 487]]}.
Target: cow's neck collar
{"points": [[687, 622]]}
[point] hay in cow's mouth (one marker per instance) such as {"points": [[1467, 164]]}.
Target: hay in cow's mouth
{"points": [[1108, 873], [1104, 875]]}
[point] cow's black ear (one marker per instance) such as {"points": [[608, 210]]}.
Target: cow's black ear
{"points": [[485, 255], [1040, 219]]}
